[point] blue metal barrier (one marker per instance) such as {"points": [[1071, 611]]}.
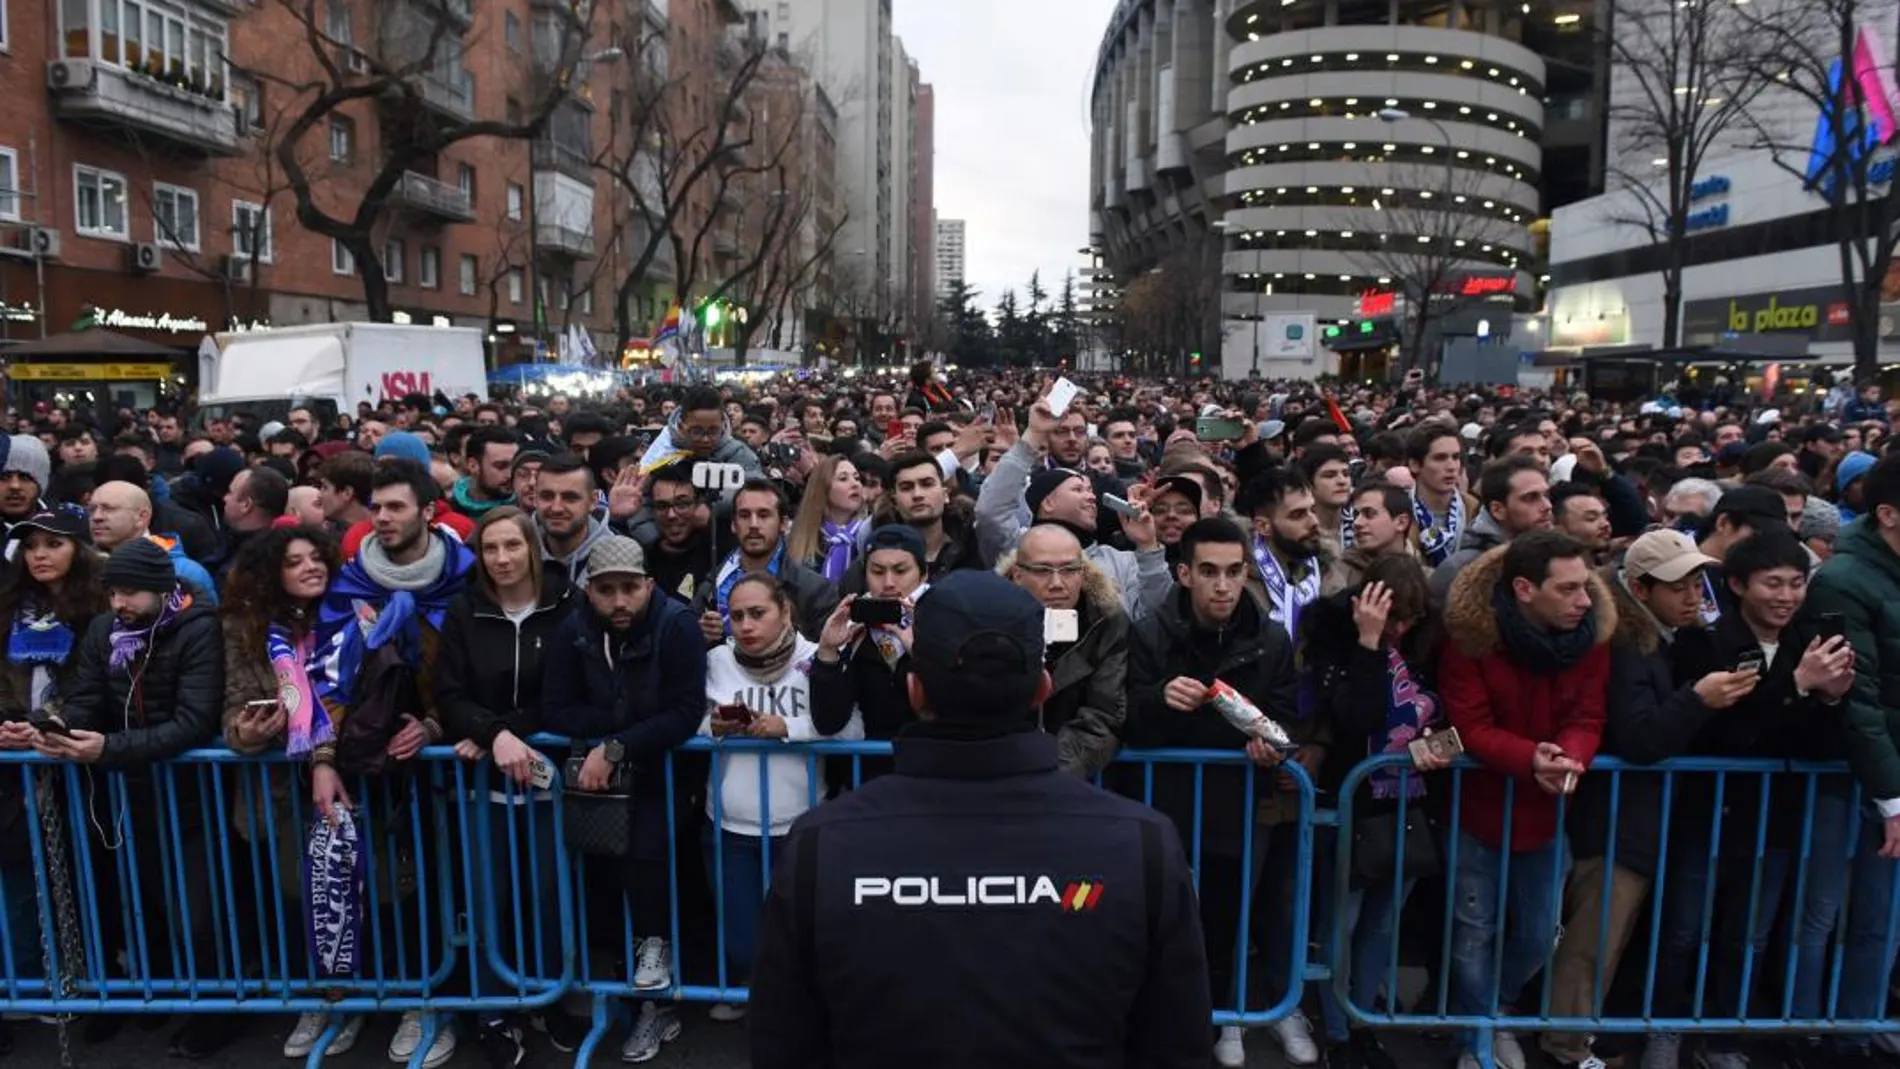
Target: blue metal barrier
{"points": [[1782, 841]]}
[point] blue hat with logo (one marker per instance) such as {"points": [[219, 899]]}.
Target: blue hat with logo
{"points": [[979, 646]]}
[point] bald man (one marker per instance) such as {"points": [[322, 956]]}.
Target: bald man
{"points": [[1086, 647], [120, 512], [306, 506]]}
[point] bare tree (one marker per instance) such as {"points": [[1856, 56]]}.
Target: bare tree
{"points": [[1684, 83], [1166, 314], [1807, 49], [1425, 236], [404, 57]]}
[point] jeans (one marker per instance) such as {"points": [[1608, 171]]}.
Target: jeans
{"points": [[739, 880], [1370, 930], [1529, 901]]}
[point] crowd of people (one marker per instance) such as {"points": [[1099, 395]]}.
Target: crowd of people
{"points": [[1556, 578]]}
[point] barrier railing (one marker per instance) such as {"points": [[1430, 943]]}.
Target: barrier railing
{"points": [[1698, 859], [180, 889]]}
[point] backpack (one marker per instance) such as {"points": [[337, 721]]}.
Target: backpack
{"points": [[385, 693]]}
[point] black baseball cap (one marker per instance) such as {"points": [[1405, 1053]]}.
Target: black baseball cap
{"points": [[1179, 484], [1758, 507], [978, 646], [64, 522]]}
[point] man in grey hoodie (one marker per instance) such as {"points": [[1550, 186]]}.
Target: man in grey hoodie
{"points": [[565, 518], [1513, 497]]}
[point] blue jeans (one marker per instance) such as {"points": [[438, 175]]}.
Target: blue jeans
{"points": [[739, 880], [1370, 931], [1530, 897]]}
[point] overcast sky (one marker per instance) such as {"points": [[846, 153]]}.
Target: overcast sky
{"points": [[1012, 155]]}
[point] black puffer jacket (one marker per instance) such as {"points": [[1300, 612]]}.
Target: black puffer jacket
{"points": [[488, 668], [170, 702], [1254, 656], [1088, 696]]}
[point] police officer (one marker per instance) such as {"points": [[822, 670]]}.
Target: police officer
{"points": [[978, 907]]}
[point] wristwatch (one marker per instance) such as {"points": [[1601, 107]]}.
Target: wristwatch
{"points": [[614, 750]]}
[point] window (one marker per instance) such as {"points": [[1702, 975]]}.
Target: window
{"points": [[250, 231], [515, 197], [511, 26], [342, 139], [468, 268], [429, 267], [174, 216], [6, 40], [342, 261], [336, 22], [100, 203], [587, 301], [517, 283], [465, 180], [157, 38], [247, 99], [9, 179], [393, 256]]}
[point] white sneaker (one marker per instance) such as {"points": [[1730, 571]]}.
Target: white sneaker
{"points": [[1505, 1051], [651, 1028], [1663, 1051], [409, 1036], [727, 1012], [1296, 1038], [653, 964], [303, 1038], [1230, 1050]]}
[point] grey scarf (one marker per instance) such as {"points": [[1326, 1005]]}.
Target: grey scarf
{"points": [[392, 576]]}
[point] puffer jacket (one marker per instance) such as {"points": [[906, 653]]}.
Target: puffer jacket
{"points": [[1654, 714], [1481, 535], [488, 668], [1862, 583], [1503, 708], [169, 704], [648, 694], [1088, 692]]}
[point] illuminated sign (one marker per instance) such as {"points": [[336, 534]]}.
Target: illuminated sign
{"points": [[1377, 302], [164, 322], [1866, 117], [1374, 303], [1485, 285], [88, 372]]}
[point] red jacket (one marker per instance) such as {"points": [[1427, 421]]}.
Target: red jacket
{"points": [[1503, 709]]}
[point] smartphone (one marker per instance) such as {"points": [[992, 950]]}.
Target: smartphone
{"points": [[265, 705], [733, 713], [987, 412], [1061, 396], [1445, 743], [50, 726], [1216, 429], [1117, 506], [894, 429], [540, 773], [1833, 625], [887, 611], [1061, 625], [1749, 662]]}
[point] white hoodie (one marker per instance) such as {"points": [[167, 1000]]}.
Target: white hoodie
{"points": [[794, 780]]}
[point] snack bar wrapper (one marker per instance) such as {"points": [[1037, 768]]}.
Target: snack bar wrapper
{"points": [[1247, 717]]}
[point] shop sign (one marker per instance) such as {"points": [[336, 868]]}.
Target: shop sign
{"points": [[88, 372], [1818, 312], [163, 322], [1374, 303]]}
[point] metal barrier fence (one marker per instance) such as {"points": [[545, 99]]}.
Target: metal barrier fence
{"points": [[1699, 863], [181, 889]]}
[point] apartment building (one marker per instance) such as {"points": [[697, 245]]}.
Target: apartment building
{"points": [[949, 246], [142, 171]]}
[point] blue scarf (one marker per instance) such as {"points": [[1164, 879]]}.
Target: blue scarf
{"points": [[39, 639], [1436, 542], [841, 544], [731, 572], [334, 890], [358, 615], [1410, 711]]}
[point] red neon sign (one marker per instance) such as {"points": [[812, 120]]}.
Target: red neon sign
{"points": [[1377, 302]]}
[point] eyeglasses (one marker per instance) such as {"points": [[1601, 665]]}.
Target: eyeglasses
{"points": [[682, 505], [699, 432], [1044, 571]]}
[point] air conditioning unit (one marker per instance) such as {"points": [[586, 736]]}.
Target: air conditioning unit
{"points": [[144, 257], [43, 242], [237, 268], [69, 74]]}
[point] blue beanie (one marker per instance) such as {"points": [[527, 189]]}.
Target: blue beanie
{"points": [[405, 445], [1852, 466]]}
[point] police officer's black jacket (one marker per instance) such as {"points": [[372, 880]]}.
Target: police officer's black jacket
{"points": [[978, 908], [1253, 655]]}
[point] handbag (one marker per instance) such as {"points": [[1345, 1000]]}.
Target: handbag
{"points": [[1375, 846], [598, 823]]}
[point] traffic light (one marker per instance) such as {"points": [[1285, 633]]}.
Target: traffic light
{"points": [[1194, 361], [713, 314]]}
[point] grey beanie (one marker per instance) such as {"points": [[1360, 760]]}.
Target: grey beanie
{"points": [[26, 454], [1820, 519]]}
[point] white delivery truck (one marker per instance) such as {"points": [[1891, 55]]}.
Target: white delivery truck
{"points": [[266, 372]]}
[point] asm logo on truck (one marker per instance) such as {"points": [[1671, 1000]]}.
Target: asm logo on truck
{"points": [[1077, 896]]}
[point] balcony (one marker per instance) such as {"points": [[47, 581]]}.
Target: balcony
{"points": [[558, 239], [573, 162], [90, 91], [423, 195]]}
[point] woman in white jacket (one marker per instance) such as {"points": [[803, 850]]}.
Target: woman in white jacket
{"points": [[758, 685]]}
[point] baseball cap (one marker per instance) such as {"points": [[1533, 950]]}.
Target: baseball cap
{"points": [[1179, 484], [1665, 556], [1757, 506], [978, 646], [616, 555], [64, 522]]}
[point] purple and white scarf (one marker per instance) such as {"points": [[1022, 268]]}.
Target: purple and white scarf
{"points": [[841, 545], [334, 889], [1410, 712], [129, 642]]}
